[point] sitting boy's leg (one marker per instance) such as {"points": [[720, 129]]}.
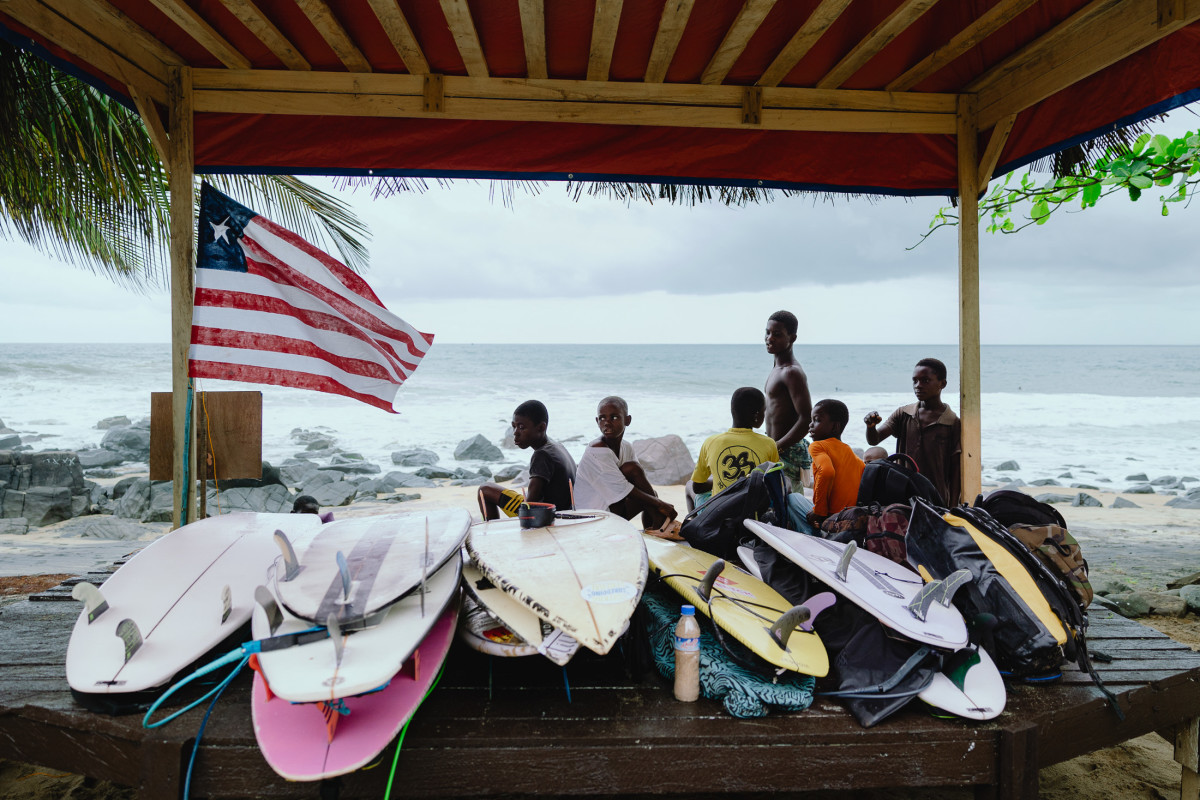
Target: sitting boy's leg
{"points": [[798, 507], [494, 498], [652, 517]]}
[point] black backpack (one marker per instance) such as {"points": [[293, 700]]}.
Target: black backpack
{"points": [[891, 480], [716, 527], [1010, 507]]}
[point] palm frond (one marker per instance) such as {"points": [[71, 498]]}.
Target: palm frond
{"points": [[80, 180]]}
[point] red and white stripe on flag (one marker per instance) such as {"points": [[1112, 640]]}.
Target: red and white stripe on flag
{"points": [[298, 317]]}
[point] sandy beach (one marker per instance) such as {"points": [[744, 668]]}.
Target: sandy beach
{"points": [[1145, 547]]}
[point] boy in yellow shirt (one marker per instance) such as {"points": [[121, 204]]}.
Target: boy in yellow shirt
{"points": [[725, 457]]}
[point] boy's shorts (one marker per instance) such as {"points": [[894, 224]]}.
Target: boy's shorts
{"points": [[795, 460], [510, 502]]}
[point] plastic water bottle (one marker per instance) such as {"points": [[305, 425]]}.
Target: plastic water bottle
{"points": [[687, 656]]}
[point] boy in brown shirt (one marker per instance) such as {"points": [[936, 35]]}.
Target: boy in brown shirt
{"points": [[926, 430]]}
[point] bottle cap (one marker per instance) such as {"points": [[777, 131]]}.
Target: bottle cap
{"points": [[689, 611]]}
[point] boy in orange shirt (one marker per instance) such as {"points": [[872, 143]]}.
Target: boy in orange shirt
{"points": [[837, 472]]}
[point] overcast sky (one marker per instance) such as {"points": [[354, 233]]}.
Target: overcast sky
{"points": [[455, 263]]}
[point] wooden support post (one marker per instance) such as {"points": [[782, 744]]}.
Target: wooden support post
{"points": [[969, 410], [183, 237], [1187, 753]]}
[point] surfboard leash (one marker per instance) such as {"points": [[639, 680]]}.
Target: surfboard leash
{"points": [[400, 741], [240, 654]]}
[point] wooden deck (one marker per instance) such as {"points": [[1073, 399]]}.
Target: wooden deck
{"points": [[505, 726]]}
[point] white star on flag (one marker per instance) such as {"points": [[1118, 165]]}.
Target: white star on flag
{"points": [[219, 230]]}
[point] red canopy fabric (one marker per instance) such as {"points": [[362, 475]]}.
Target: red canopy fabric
{"points": [[1160, 76]]}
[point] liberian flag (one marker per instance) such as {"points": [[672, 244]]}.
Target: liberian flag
{"points": [[271, 308]]}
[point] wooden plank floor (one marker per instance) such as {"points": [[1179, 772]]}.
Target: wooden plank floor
{"points": [[505, 726]]}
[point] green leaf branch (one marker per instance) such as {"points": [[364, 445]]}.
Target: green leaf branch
{"points": [[1152, 160]]}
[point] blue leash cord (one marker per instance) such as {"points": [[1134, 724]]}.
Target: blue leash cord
{"points": [[241, 652], [241, 655]]}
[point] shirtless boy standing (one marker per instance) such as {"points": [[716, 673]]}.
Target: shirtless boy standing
{"points": [[789, 405]]}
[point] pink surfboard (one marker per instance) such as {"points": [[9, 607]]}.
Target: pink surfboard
{"points": [[294, 737]]}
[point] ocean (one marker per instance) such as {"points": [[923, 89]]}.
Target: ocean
{"points": [[1101, 413]]}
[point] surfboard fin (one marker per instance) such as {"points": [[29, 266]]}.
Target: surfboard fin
{"points": [[291, 564], [816, 604], [344, 572], [263, 596], [941, 592], [127, 632], [951, 584], [704, 589], [335, 633], [801, 616], [93, 602], [843, 567]]}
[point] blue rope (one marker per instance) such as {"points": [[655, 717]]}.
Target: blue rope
{"points": [[187, 781], [187, 459]]}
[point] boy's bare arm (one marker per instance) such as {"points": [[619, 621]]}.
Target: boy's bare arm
{"points": [[797, 386], [536, 490], [701, 488], [877, 432]]}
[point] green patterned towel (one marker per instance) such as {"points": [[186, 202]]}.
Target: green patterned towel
{"points": [[744, 692]]}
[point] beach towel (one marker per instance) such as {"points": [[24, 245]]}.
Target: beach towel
{"points": [[745, 692]]}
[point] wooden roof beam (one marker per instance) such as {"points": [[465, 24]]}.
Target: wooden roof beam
{"points": [[988, 23], [1105, 32], [813, 29], [678, 94], [398, 31], [205, 35], [906, 14], [364, 104], [265, 31], [331, 30], [64, 33], [674, 19], [119, 33], [462, 27], [154, 126], [533, 31], [604, 36], [995, 146], [748, 21]]}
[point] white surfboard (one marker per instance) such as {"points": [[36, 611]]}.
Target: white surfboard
{"points": [[880, 586], [583, 575], [968, 686], [350, 663], [529, 629], [174, 601], [481, 631], [354, 567]]}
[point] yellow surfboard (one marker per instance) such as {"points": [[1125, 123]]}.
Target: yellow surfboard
{"points": [[740, 604]]}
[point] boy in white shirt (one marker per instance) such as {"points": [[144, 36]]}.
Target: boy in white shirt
{"points": [[609, 476]]}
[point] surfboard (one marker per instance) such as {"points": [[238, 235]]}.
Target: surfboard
{"points": [[883, 588], [354, 567], [968, 686], [173, 601], [479, 630], [516, 618], [740, 604], [357, 661], [583, 575], [311, 741]]}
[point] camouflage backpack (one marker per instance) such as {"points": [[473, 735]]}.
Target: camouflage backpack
{"points": [[1055, 546]]}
